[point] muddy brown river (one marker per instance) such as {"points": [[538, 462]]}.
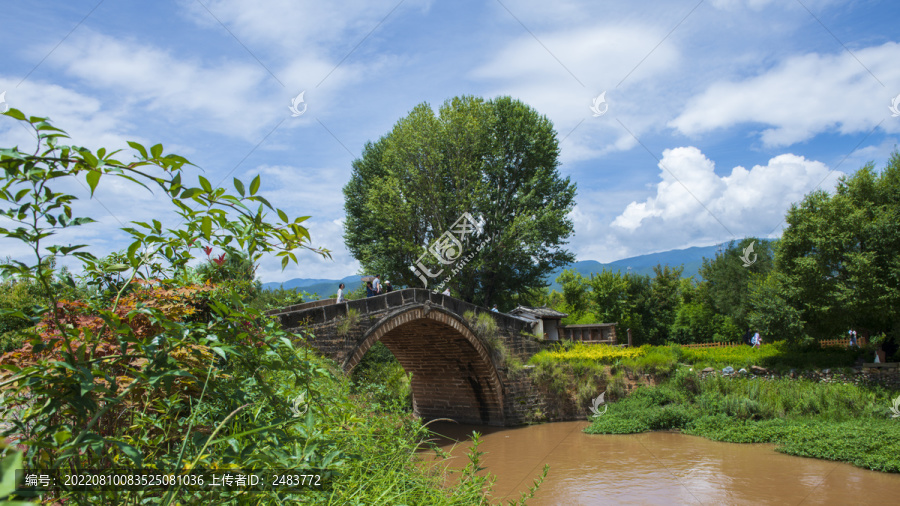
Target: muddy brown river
{"points": [[658, 468]]}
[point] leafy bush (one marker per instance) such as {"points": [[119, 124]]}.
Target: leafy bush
{"points": [[347, 322], [20, 296], [380, 378], [278, 298], [483, 324]]}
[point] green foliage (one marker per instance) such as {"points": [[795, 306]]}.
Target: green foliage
{"points": [[698, 323], [608, 297], [663, 302], [380, 379], [279, 298], [21, 302], [661, 361], [838, 256], [156, 374], [772, 313], [656, 360], [347, 322], [483, 325], [728, 282], [495, 159], [810, 419]]}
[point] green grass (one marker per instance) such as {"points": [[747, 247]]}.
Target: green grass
{"points": [[662, 360], [829, 421]]}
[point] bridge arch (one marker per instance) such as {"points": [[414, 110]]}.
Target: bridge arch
{"points": [[453, 375]]}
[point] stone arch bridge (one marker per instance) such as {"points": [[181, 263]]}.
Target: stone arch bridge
{"points": [[456, 373]]}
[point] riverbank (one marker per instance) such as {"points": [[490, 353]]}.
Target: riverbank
{"points": [[811, 402], [832, 421], [655, 468]]}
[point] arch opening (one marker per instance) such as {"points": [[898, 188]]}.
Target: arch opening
{"points": [[452, 372]]}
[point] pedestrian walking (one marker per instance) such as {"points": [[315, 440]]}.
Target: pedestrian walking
{"points": [[757, 340], [369, 290], [387, 287], [340, 294]]}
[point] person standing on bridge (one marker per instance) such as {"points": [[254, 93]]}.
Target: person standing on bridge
{"points": [[376, 285], [369, 290], [340, 294], [387, 287]]}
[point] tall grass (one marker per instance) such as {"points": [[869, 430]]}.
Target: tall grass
{"points": [[823, 420]]}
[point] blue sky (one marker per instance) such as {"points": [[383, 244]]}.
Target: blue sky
{"points": [[718, 113]]}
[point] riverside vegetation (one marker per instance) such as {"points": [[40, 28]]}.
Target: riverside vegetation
{"points": [[834, 421], [142, 361]]}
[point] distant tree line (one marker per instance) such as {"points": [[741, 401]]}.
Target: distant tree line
{"points": [[835, 268]]}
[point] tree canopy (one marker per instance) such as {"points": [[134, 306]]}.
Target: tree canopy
{"points": [[838, 264], [496, 160]]}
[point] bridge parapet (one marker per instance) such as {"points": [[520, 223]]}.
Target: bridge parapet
{"points": [[302, 314]]}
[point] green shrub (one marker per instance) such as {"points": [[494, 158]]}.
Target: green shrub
{"points": [[157, 374], [347, 322], [12, 340], [483, 325], [657, 360], [381, 379], [19, 296]]}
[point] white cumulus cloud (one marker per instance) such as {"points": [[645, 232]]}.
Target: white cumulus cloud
{"points": [[694, 205], [803, 96]]}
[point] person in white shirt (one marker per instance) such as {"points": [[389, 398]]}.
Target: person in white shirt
{"points": [[447, 291], [340, 295], [376, 284]]}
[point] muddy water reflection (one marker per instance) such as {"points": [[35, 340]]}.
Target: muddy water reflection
{"points": [[660, 468]]}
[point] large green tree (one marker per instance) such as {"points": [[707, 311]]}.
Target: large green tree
{"points": [[729, 277], [496, 160], [838, 259]]}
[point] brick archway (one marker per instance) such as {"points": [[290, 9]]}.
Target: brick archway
{"points": [[453, 375]]}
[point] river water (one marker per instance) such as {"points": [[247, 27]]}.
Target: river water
{"points": [[657, 468]]}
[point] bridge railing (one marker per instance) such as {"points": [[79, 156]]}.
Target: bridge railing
{"points": [[302, 314]]}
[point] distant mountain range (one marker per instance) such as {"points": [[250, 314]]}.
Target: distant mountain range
{"points": [[691, 258], [322, 287]]}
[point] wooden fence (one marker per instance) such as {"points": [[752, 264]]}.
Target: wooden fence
{"points": [[844, 343], [711, 345]]}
